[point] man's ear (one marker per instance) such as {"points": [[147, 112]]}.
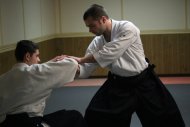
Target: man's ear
{"points": [[104, 19], [27, 57]]}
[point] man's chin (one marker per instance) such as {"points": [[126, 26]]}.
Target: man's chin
{"points": [[98, 34]]}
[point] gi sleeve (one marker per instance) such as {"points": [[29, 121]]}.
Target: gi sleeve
{"points": [[56, 74], [87, 68]]}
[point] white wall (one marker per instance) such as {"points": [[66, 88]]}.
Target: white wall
{"points": [[12, 21], [33, 19], [26, 19], [72, 13], [0, 26], [148, 15], [48, 17], [156, 14], [188, 14]]}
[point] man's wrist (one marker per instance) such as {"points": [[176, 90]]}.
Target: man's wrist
{"points": [[87, 59], [82, 60]]}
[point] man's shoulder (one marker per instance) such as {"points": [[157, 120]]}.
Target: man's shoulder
{"points": [[126, 23], [120, 22], [98, 39]]}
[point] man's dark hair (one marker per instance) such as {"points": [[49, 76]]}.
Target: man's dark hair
{"points": [[95, 11], [23, 47]]}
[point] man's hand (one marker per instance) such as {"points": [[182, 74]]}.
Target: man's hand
{"points": [[59, 58], [86, 59], [78, 59]]}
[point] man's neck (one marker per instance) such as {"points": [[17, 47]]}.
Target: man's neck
{"points": [[107, 34]]}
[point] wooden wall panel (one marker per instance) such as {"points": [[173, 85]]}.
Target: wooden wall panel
{"points": [[77, 46], [169, 52], [7, 59], [73, 45], [47, 50]]}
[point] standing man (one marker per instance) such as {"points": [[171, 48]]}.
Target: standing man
{"points": [[131, 86], [25, 88]]}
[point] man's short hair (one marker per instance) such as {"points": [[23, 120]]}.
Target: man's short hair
{"points": [[23, 47], [95, 11]]}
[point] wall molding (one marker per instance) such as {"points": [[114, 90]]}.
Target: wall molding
{"points": [[143, 32], [11, 46], [79, 34], [7, 48]]}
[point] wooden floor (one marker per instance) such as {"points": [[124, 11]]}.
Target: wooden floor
{"points": [[99, 81], [175, 80]]}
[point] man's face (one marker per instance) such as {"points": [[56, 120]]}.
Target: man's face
{"points": [[34, 58], [96, 27]]}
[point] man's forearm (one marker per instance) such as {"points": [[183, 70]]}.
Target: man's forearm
{"points": [[88, 59]]}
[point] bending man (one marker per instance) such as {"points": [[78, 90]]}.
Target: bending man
{"points": [[131, 86]]}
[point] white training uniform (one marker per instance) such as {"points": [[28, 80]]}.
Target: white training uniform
{"points": [[123, 55], [25, 88]]}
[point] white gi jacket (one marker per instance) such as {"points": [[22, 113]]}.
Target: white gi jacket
{"points": [[25, 88], [123, 55]]}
